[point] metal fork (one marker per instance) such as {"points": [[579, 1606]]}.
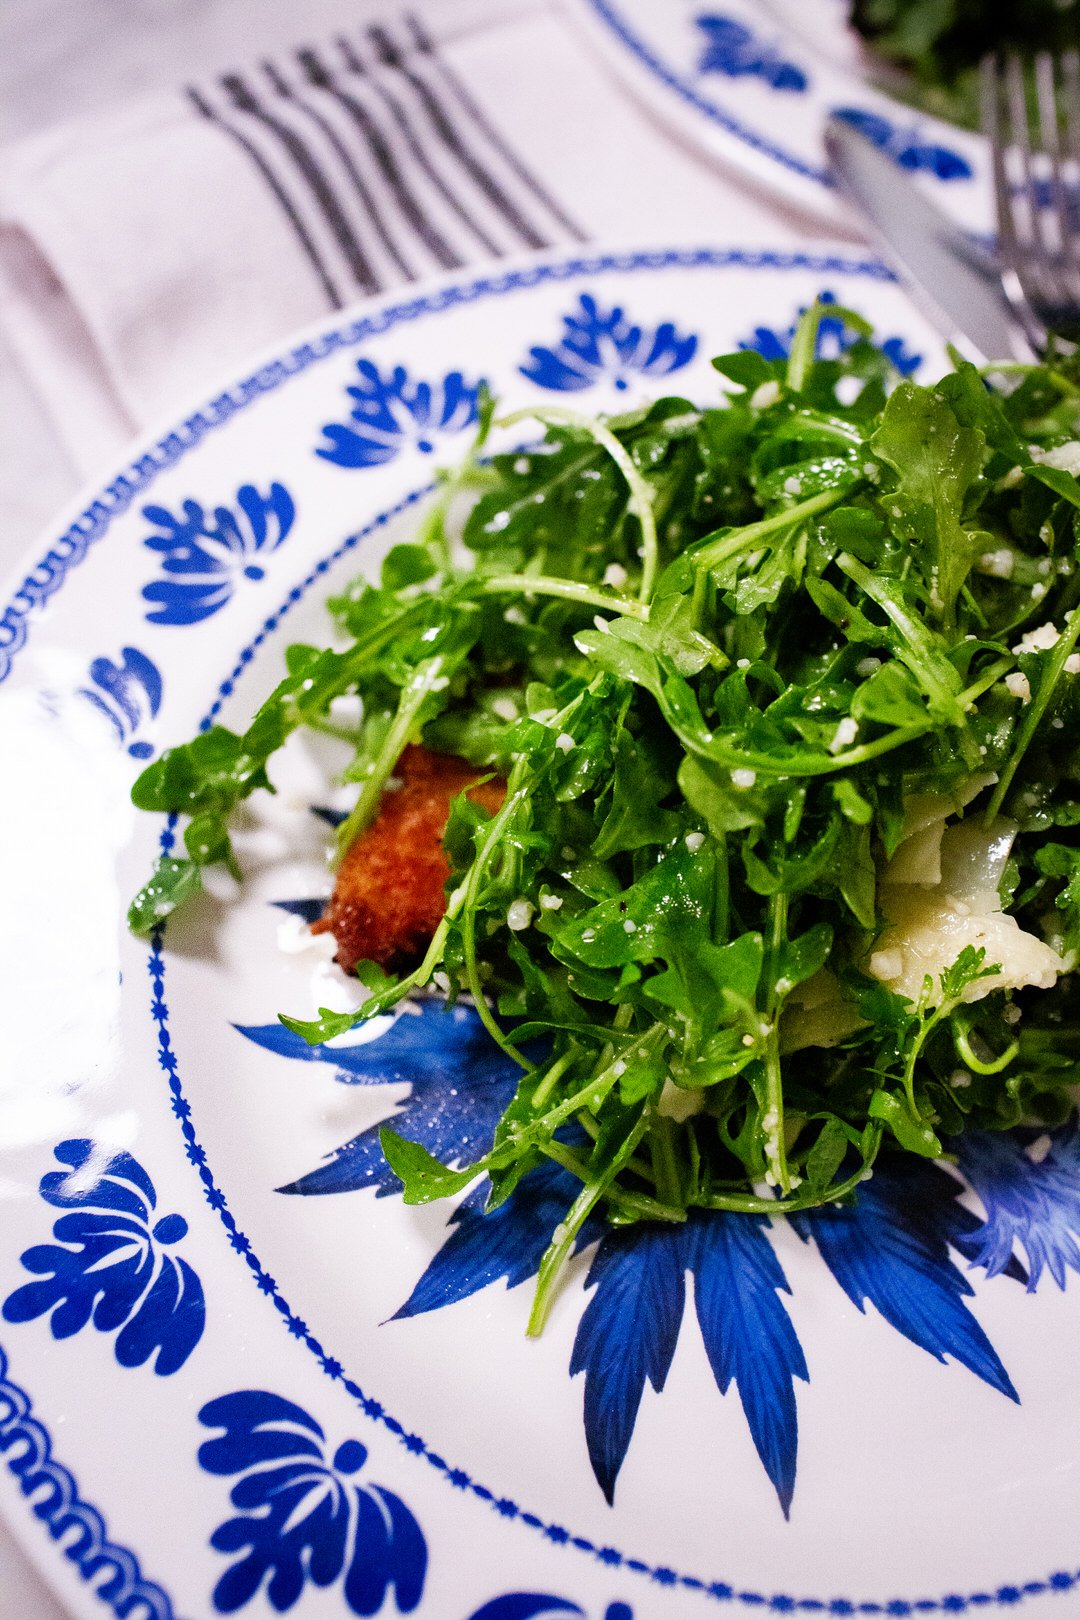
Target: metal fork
{"points": [[1037, 190]]}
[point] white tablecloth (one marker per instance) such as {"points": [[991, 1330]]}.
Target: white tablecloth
{"points": [[67, 58]]}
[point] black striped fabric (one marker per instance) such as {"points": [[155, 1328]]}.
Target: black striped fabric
{"points": [[381, 161]]}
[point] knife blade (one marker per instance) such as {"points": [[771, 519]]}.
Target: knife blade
{"points": [[952, 279]]}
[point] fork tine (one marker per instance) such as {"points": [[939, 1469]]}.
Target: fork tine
{"points": [[1011, 250], [1070, 99], [1066, 247], [1038, 250]]}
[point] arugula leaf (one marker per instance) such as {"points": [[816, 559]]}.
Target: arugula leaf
{"points": [[935, 461]]}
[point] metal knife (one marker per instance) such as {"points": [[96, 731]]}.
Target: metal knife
{"points": [[954, 280]]}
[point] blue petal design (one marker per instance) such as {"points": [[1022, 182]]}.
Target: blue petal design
{"points": [[833, 338], [627, 1333], [891, 1248], [333, 818], [461, 1084], [392, 413], [525, 1606], [732, 48], [302, 1517], [308, 911], [204, 554], [748, 1334], [904, 145], [109, 1267], [1030, 1200], [599, 343], [507, 1242], [126, 694]]}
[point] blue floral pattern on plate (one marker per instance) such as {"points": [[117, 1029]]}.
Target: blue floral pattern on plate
{"points": [[392, 413], [109, 1265], [529, 1605], [303, 1517], [905, 146], [834, 336], [204, 554], [602, 345], [127, 694], [735, 50], [894, 1249]]}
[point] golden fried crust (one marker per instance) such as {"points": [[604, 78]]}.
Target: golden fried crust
{"points": [[388, 899]]}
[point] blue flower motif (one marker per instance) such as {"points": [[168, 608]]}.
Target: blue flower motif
{"points": [[1030, 1188], [892, 1248], [833, 338], [528, 1605], [302, 1515], [393, 414], [905, 147], [435, 1050], [127, 694], [602, 345], [732, 48], [109, 1266], [204, 554]]}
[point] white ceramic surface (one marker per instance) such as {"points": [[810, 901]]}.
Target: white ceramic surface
{"points": [[152, 1276]]}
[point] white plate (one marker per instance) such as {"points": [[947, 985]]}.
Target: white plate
{"points": [[743, 81], [151, 1275]]}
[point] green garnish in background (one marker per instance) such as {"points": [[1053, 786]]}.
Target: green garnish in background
{"points": [[738, 641], [938, 44]]}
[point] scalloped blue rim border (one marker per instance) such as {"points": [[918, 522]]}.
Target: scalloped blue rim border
{"points": [[54, 1495], [686, 92], [95, 522]]}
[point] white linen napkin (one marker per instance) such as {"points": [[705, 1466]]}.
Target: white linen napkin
{"points": [[146, 250]]}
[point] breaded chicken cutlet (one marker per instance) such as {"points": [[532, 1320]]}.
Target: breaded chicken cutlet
{"points": [[389, 896]]}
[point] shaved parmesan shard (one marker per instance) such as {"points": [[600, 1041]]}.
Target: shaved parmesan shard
{"points": [[932, 919], [816, 1014], [917, 858], [677, 1104]]}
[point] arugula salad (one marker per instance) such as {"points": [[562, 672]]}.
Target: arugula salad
{"points": [[782, 699]]}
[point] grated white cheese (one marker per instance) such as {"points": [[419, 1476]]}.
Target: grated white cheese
{"points": [[743, 778], [998, 564], [1038, 640], [766, 394], [519, 914], [1065, 457]]}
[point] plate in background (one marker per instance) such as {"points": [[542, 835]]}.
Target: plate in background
{"points": [[742, 83]]}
